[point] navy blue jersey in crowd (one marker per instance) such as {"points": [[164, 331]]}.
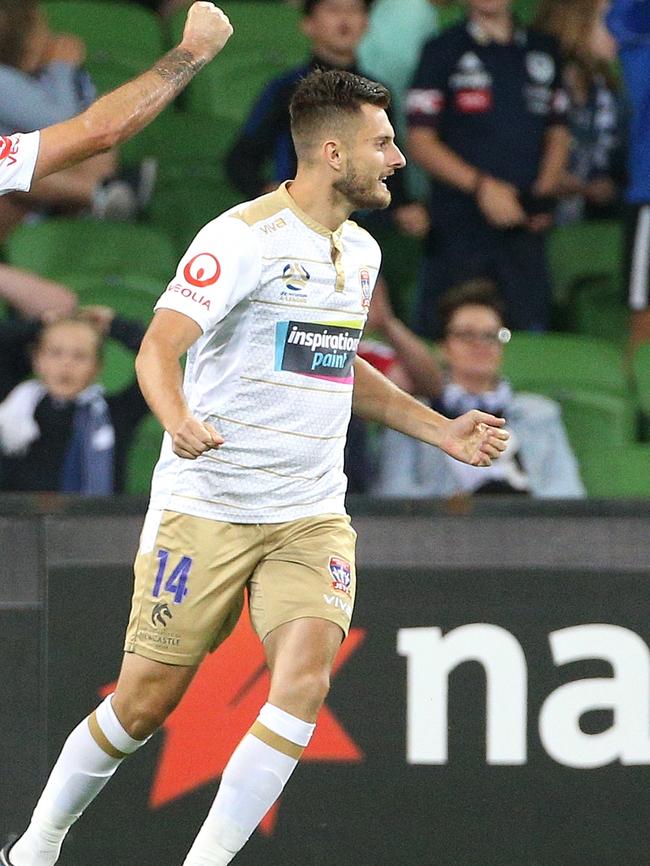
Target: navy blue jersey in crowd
{"points": [[629, 22], [491, 103]]}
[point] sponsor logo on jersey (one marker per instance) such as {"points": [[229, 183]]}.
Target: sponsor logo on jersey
{"points": [[202, 270], [269, 228], [186, 292], [341, 572], [318, 350], [540, 66], [295, 276], [364, 282], [8, 149], [474, 101]]}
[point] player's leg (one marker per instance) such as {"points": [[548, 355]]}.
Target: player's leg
{"points": [[302, 596], [147, 691]]}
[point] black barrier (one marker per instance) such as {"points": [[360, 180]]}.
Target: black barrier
{"points": [[479, 714]]}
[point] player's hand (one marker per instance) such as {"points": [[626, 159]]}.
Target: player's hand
{"points": [[193, 438], [207, 29], [476, 438], [500, 204]]}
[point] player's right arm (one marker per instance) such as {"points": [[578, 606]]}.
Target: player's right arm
{"points": [[158, 369], [219, 270], [125, 111]]}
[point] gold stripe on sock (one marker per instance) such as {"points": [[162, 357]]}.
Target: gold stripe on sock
{"points": [[102, 740], [275, 741]]}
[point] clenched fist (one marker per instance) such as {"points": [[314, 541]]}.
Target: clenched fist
{"points": [[207, 30]]}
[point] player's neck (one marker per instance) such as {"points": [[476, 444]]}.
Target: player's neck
{"points": [[497, 28], [474, 384], [316, 199]]}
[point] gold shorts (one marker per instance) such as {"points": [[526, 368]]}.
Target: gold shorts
{"points": [[191, 574]]}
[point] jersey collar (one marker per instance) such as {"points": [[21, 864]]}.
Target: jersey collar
{"points": [[313, 224]]}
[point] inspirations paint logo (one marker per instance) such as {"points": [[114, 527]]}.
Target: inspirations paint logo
{"points": [[324, 351]]}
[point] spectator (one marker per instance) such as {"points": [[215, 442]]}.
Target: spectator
{"points": [[539, 460], [487, 119], [58, 432], [34, 299], [629, 23], [591, 187], [334, 28], [43, 82]]}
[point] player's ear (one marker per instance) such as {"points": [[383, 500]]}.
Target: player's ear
{"points": [[333, 153]]}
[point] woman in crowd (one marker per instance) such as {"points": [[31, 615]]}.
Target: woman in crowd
{"points": [[593, 185]]}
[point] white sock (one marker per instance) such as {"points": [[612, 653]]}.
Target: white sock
{"points": [[90, 756], [253, 779]]}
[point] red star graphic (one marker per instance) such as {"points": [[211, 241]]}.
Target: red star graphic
{"points": [[220, 705]]}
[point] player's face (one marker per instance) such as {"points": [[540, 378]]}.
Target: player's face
{"points": [[336, 26], [66, 361], [372, 156], [471, 345]]}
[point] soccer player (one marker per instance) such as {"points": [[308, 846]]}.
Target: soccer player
{"points": [[120, 114], [269, 302]]}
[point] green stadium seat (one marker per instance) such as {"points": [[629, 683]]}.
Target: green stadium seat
{"points": [[623, 471], [181, 207], [143, 455], [449, 15], [400, 263], [587, 249], [122, 39], [58, 246], [641, 373], [597, 310], [525, 10], [267, 42], [604, 418], [184, 144], [555, 364]]}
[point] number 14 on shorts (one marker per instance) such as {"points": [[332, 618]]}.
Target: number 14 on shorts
{"points": [[176, 583]]}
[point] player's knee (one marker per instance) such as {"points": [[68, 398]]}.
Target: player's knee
{"points": [[144, 714], [311, 688]]}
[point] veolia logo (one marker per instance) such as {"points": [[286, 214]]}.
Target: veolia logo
{"points": [[431, 656]]}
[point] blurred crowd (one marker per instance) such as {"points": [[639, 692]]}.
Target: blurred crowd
{"points": [[515, 126]]}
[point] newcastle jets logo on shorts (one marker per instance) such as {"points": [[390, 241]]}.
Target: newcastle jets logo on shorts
{"points": [[160, 614], [341, 572]]}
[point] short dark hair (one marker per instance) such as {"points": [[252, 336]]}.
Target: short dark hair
{"points": [[308, 6], [480, 292], [331, 96]]}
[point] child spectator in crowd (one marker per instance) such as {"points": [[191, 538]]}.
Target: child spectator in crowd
{"points": [[335, 28], [58, 431], [487, 120], [592, 186], [539, 461]]}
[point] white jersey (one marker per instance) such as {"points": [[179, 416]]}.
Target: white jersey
{"points": [[18, 155], [282, 303]]}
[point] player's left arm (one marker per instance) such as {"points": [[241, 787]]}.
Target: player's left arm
{"points": [[476, 437]]}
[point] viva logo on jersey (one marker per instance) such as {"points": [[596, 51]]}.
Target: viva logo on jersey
{"points": [[324, 351]]}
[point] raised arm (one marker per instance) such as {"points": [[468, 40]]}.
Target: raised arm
{"points": [[122, 113], [474, 438], [168, 337]]}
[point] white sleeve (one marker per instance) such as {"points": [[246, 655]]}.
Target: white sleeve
{"points": [[18, 155], [221, 267]]}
